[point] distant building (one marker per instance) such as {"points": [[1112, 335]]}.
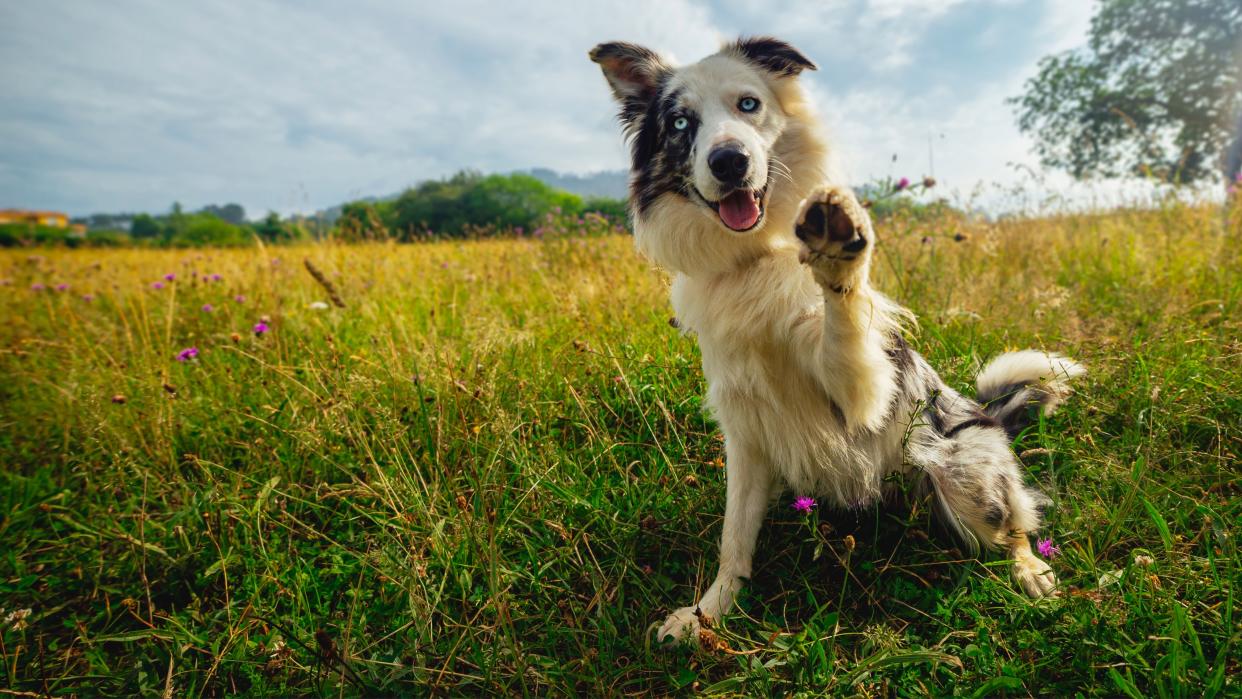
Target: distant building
{"points": [[55, 219]]}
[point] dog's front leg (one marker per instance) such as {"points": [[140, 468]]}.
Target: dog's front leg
{"points": [[850, 356], [748, 489]]}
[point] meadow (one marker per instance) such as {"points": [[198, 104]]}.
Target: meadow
{"points": [[486, 471]]}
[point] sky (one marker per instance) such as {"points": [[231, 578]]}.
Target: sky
{"points": [[130, 105]]}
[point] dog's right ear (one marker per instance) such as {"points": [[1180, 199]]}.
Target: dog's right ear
{"points": [[633, 72]]}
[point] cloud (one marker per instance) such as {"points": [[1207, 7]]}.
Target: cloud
{"points": [[297, 106]]}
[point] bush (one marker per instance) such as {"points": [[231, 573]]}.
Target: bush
{"points": [[469, 200], [107, 239], [205, 229], [27, 234]]}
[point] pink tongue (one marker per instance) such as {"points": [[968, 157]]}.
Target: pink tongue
{"points": [[739, 210]]}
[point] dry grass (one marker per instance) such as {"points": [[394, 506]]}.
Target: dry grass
{"points": [[489, 473]]}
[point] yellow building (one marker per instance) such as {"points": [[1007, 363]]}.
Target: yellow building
{"points": [[55, 219]]}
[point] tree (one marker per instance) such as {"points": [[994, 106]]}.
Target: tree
{"points": [[1154, 92], [470, 199], [144, 227], [273, 230], [360, 221], [233, 213], [198, 230]]}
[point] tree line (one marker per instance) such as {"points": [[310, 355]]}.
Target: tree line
{"points": [[467, 204]]}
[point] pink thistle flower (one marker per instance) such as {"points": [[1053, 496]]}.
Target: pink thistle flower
{"points": [[239, 298], [88, 297], [208, 308], [1046, 549], [804, 504], [260, 328], [187, 354], [216, 277], [37, 287], [903, 183], [62, 287], [157, 285], [170, 277]]}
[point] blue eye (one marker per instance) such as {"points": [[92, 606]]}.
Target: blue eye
{"points": [[748, 104], [681, 123]]}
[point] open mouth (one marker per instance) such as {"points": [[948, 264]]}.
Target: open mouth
{"points": [[741, 209]]}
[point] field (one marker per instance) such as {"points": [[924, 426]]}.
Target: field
{"points": [[489, 473]]}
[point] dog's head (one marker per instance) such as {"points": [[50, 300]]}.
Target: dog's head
{"points": [[721, 149]]}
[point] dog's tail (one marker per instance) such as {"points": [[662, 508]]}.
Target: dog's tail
{"points": [[1015, 384]]}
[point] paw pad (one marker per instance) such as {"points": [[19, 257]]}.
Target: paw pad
{"points": [[828, 223]]}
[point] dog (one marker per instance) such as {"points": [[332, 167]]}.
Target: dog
{"points": [[808, 373]]}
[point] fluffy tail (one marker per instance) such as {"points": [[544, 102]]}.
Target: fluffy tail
{"points": [[1016, 382]]}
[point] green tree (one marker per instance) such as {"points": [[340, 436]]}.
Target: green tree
{"points": [[205, 229], [434, 206], [144, 227], [360, 221], [272, 230], [468, 199], [615, 209], [233, 213], [1155, 91]]}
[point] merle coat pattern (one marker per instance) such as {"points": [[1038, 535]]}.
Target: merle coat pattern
{"points": [[807, 371]]}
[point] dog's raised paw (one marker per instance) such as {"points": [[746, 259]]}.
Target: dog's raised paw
{"points": [[836, 237]]}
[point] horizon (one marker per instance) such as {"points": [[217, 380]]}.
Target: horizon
{"points": [[297, 109]]}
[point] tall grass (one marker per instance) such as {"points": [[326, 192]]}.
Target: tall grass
{"points": [[489, 473]]}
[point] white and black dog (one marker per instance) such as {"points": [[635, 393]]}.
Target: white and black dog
{"points": [[807, 371]]}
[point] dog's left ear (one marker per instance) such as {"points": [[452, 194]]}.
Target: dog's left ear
{"points": [[773, 55]]}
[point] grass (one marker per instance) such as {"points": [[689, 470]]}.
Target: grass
{"points": [[490, 474]]}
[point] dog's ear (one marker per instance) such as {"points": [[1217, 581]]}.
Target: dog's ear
{"points": [[772, 55], [633, 72]]}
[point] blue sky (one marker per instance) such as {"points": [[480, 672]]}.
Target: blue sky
{"points": [[294, 106]]}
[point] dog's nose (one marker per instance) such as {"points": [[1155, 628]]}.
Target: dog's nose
{"points": [[729, 162]]}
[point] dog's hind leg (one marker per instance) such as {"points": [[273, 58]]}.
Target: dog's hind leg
{"points": [[748, 489], [980, 494]]}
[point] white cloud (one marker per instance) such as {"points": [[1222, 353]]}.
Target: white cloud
{"points": [[300, 106]]}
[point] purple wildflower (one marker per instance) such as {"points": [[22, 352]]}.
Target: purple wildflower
{"points": [[62, 287], [88, 297], [216, 277], [170, 277], [1046, 549], [208, 308], [157, 285], [903, 183], [187, 354], [37, 287], [239, 298], [804, 504], [260, 328]]}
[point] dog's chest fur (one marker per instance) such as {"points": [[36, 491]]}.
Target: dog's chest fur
{"points": [[770, 405]]}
